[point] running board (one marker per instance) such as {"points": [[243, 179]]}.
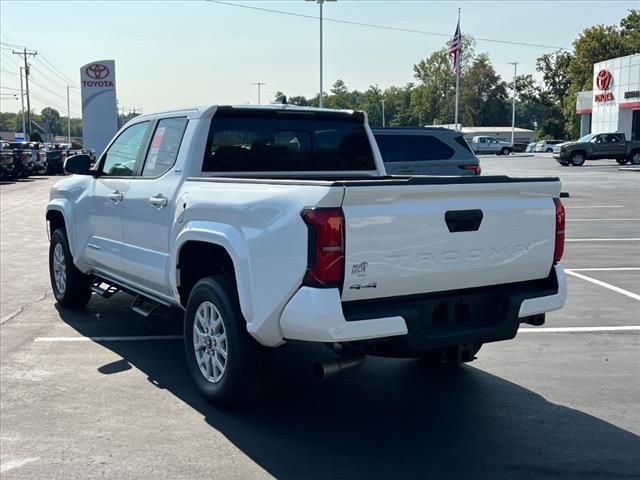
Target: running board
{"points": [[144, 306], [108, 292]]}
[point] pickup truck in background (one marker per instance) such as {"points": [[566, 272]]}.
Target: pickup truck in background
{"points": [[598, 146], [483, 144], [277, 223]]}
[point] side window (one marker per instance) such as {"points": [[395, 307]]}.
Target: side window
{"points": [[412, 148], [164, 146], [483, 140], [120, 159]]}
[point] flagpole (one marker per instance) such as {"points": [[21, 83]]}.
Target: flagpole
{"points": [[457, 67]]}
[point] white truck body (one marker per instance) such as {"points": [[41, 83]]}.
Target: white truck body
{"points": [[484, 144], [404, 237]]}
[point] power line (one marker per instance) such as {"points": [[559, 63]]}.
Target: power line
{"points": [[53, 93], [52, 67], [25, 54], [383, 27]]}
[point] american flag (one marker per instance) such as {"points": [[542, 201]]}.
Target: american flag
{"points": [[456, 49]]}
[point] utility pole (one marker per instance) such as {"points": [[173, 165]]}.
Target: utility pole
{"points": [[513, 108], [24, 128], [321, 2], [383, 122], [68, 117], [26, 54], [259, 84]]}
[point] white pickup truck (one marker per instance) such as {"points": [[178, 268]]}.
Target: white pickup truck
{"points": [[268, 224], [483, 144]]}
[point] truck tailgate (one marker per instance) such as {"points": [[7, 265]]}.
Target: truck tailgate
{"points": [[423, 236]]}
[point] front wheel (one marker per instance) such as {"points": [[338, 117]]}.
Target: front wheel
{"points": [[71, 287], [621, 161], [217, 345], [577, 159], [635, 158]]}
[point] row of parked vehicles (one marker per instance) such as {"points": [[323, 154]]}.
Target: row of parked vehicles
{"points": [[24, 159]]}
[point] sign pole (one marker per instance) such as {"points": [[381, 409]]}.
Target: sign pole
{"points": [[457, 67]]}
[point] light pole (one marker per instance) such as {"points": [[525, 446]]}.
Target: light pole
{"points": [[68, 117], [513, 107], [383, 122], [24, 126], [321, 2], [259, 84]]}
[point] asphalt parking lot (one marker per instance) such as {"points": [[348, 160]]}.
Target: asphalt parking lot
{"points": [[88, 395]]}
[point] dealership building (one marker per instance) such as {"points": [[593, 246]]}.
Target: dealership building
{"points": [[614, 103]]}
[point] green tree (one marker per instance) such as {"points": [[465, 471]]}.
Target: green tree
{"points": [[483, 95], [52, 117], [35, 137], [630, 31], [555, 76]]}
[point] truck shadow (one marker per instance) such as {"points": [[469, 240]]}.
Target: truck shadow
{"points": [[388, 419]]}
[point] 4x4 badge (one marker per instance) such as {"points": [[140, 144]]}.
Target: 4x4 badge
{"points": [[359, 268]]}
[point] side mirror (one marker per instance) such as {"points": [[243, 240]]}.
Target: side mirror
{"points": [[78, 164]]}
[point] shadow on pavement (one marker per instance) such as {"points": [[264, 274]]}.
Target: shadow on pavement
{"points": [[388, 419]]}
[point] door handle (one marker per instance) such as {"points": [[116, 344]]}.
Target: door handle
{"points": [[158, 201], [116, 196]]}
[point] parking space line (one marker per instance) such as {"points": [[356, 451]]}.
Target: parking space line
{"points": [[632, 239], [594, 206], [625, 328], [604, 269], [108, 339], [629, 294], [603, 219]]}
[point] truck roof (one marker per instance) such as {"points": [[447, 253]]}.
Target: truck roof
{"points": [[205, 111]]}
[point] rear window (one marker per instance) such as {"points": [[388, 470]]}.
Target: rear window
{"points": [[286, 141], [412, 148]]}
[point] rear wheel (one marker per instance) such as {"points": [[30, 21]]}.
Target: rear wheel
{"points": [[577, 159], [549, 150], [71, 287], [505, 151], [217, 345], [622, 161], [635, 158]]}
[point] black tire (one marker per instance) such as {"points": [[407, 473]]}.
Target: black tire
{"points": [[564, 164], [77, 286], [237, 376], [549, 150], [634, 158], [622, 161], [505, 151], [577, 159]]}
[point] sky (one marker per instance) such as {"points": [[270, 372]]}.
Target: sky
{"points": [[182, 53]]}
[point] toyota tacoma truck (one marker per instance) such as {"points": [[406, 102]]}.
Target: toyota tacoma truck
{"points": [[277, 223], [596, 147]]}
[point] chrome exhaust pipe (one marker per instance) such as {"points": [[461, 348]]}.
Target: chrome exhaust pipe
{"points": [[330, 368]]}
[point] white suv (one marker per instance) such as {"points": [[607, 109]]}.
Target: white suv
{"points": [[546, 145]]}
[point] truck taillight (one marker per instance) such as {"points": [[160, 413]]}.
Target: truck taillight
{"points": [[325, 263], [560, 223], [476, 168]]}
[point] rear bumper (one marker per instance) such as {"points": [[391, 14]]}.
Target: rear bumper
{"points": [[407, 325]]}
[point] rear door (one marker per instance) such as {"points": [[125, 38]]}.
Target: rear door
{"points": [[148, 208], [442, 235]]}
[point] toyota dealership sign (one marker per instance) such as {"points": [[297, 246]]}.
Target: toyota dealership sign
{"points": [[99, 109]]}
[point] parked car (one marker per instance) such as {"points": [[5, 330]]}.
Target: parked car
{"points": [[547, 145], [6, 161], [483, 144], [56, 155], [531, 147], [519, 147], [280, 223], [39, 157], [425, 151], [22, 159], [595, 146]]}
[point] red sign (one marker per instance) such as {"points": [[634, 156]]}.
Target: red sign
{"points": [[603, 80], [603, 97]]}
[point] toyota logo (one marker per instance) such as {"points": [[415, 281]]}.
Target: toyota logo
{"points": [[97, 71], [603, 80]]}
